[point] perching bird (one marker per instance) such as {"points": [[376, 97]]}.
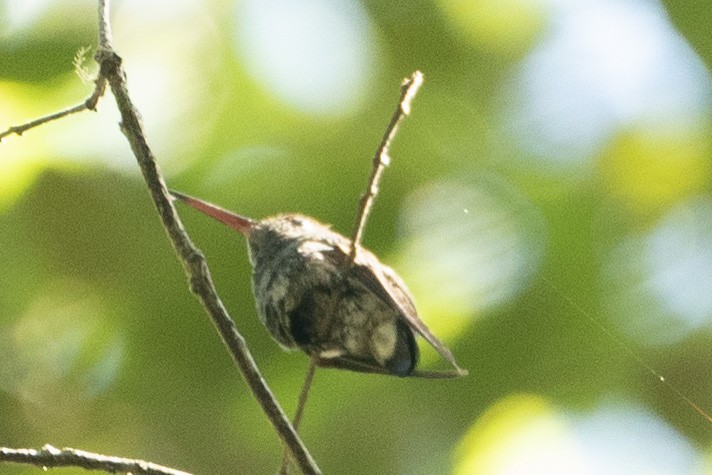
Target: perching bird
{"points": [[355, 315]]}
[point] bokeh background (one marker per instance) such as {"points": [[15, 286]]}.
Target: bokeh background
{"points": [[548, 203]]}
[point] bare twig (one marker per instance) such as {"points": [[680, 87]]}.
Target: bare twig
{"points": [[409, 89], [49, 456], [194, 263], [88, 104], [303, 396]]}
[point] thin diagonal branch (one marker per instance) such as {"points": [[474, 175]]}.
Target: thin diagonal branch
{"points": [[304, 394], [49, 456], [409, 89], [193, 261], [88, 104], [301, 403]]}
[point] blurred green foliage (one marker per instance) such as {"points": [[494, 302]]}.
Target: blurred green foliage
{"points": [[557, 267]]}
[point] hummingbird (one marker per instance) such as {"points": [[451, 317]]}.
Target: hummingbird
{"points": [[345, 312]]}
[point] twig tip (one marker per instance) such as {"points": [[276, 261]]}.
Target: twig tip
{"points": [[410, 89]]}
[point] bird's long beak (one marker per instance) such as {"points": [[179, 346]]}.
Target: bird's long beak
{"points": [[235, 221]]}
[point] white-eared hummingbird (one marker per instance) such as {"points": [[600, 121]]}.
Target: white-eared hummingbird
{"points": [[350, 314]]}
